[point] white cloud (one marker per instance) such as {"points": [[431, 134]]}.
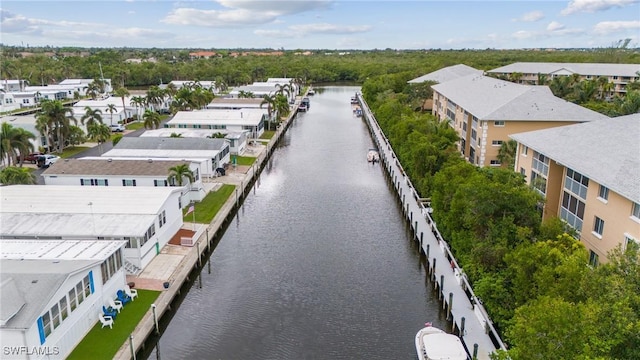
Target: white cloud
{"points": [[555, 26], [349, 42], [522, 35], [325, 28], [131, 12], [590, 6], [530, 17], [241, 13], [608, 27]]}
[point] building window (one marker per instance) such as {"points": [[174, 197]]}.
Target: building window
{"points": [[576, 183], [603, 193], [64, 311], [160, 183], [540, 163], [631, 243], [538, 182], [162, 218], [598, 226], [495, 162], [496, 142], [72, 299], [55, 315], [79, 292], [636, 211], [572, 211], [151, 231], [46, 324], [94, 182], [593, 258], [523, 172], [498, 123], [128, 182], [525, 150], [87, 286]]}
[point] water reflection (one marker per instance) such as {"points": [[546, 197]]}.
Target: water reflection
{"points": [[319, 263]]}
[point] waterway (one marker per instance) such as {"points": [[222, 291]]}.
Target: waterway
{"points": [[317, 264]]}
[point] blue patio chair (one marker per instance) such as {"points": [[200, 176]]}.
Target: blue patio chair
{"points": [[109, 311], [123, 297]]}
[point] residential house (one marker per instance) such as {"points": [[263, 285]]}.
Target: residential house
{"points": [[84, 83], [8, 102], [9, 85], [251, 120], [119, 115], [588, 174], [528, 72], [202, 55], [103, 171], [210, 153], [484, 111], [52, 292], [226, 103], [145, 217], [237, 139]]}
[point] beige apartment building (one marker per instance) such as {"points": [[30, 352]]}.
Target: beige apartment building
{"points": [[484, 111], [527, 72], [589, 175]]}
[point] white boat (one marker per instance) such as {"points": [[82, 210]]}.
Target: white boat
{"points": [[435, 344], [311, 92], [373, 156]]}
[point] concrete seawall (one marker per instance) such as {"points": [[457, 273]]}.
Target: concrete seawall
{"points": [[468, 317]]}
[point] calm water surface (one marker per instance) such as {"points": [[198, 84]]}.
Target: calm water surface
{"points": [[318, 263]]}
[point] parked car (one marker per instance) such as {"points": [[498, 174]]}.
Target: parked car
{"points": [[44, 161], [32, 158], [116, 128]]}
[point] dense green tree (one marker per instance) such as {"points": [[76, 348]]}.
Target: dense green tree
{"points": [[99, 133], [15, 143], [12, 175], [56, 119], [76, 136], [507, 153], [151, 119]]}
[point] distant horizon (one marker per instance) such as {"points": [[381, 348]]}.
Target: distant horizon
{"points": [[321, 24]]}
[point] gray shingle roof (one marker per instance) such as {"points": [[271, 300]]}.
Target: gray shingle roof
{"points": [[447, 74], [111, 167], [493, 99], [593, 69], [152, 143], [607, 151], [28, 285]]}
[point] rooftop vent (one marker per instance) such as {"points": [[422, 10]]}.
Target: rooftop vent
{"points": [[150, 160]]}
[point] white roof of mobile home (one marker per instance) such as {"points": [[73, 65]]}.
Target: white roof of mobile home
{"points": [[607, 151], [447, 74], [58, 249], [79, 211], [187, 132], [593, 69], [249, 117], [492, 99]]}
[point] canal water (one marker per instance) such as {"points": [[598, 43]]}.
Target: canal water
{"points": [[318, 263]]}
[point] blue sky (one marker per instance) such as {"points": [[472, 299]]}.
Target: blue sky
{"points": [[321, 24]]}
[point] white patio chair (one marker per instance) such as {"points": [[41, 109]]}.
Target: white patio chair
{"points": [[115, 304], [106, 320], [133, 293]]}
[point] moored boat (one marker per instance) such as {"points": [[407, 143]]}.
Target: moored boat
{"points": [[435, 344], [373, 156], [311, 91]]}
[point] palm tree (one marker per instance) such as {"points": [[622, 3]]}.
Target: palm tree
{"points": [[178, 173], [507, 153], [282, 106], [122, 92], [271, 102], [138, 102], [99, 133], [58, 120], [12, 175], [245, 94], [111, 108], [14, 143], [151, 119], [91, 116], [155, 97]]}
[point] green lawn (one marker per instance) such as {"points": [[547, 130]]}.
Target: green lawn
{"points": [[71, 151], [104, 343], [207, 209], [244, 160], [267, 134], [135, 125]]}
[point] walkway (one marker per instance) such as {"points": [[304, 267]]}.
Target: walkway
{"points": [[452, 284]]}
